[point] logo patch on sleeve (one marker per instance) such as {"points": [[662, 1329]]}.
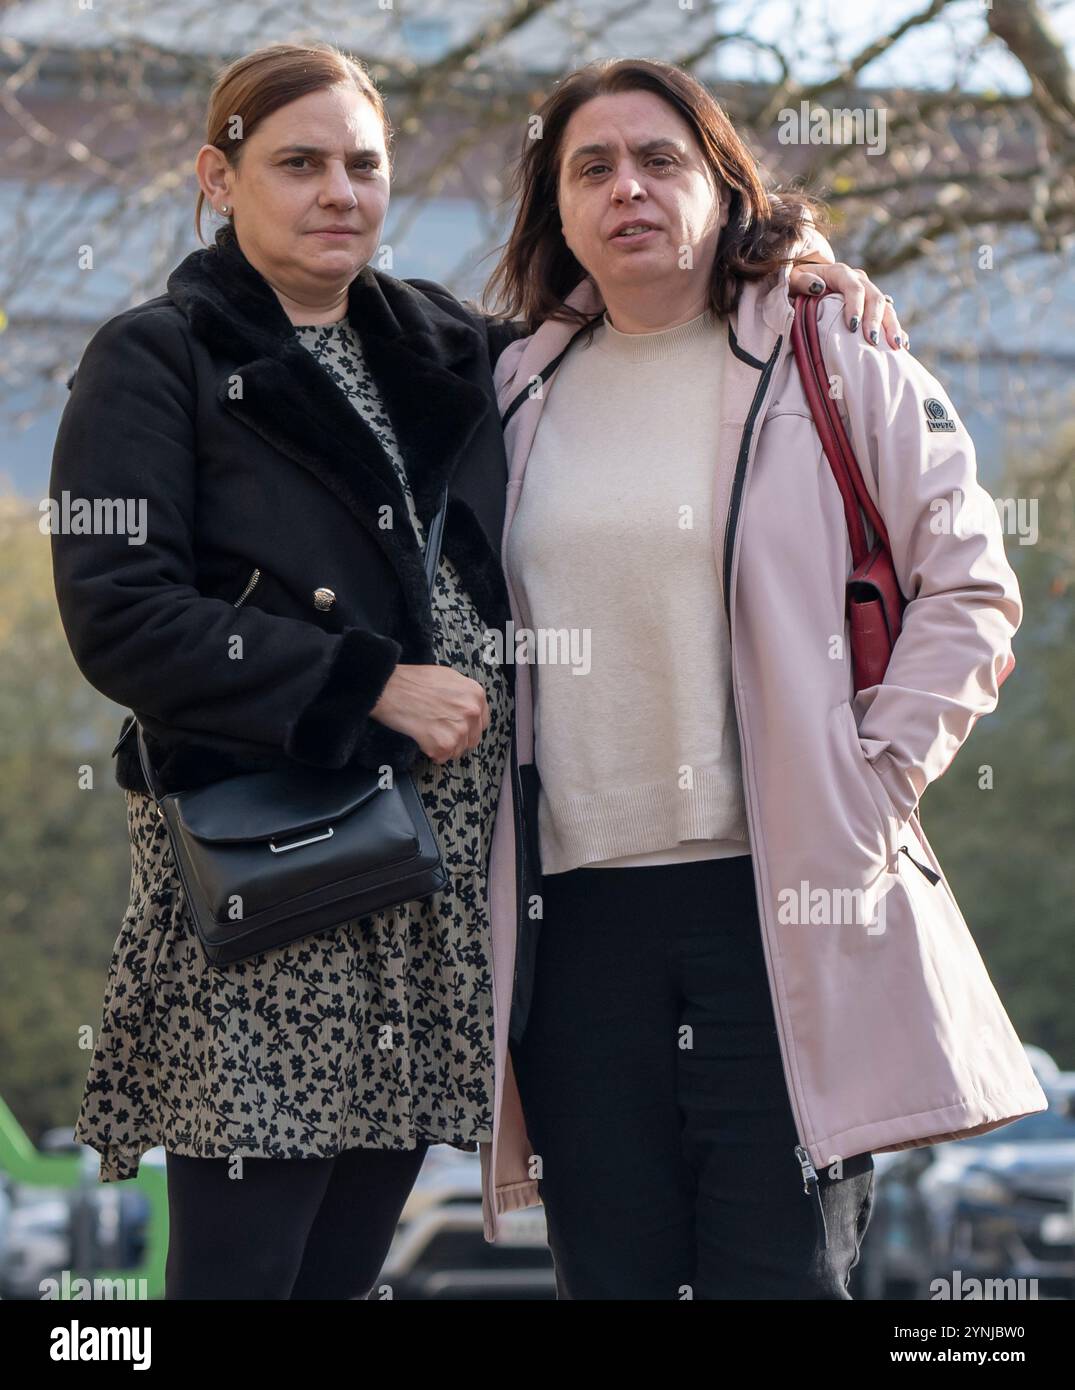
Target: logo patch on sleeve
{"points": [[937, 417]]}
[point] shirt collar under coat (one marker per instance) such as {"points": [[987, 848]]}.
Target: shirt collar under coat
{"points": [[761, 319]]}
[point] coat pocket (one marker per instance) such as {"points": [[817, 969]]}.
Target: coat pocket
{"points": [[895, 826], [886, 811]]}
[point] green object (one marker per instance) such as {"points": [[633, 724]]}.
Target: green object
{"points": [[24, 1163]]}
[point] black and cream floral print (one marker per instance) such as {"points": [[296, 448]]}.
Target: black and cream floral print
{"points": [[375, 1034]]}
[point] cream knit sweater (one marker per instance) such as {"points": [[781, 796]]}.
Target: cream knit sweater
{"points": [[616, 539]]}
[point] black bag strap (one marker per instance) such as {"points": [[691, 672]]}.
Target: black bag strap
{"points": [[432, 560], [143, 758], [433, 541]]}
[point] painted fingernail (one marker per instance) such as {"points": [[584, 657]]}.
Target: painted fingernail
{"points": [[855, 321], [817, 287], [874, 336]]}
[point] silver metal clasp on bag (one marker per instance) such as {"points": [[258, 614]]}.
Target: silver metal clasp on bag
{"points": [[282, 849]]}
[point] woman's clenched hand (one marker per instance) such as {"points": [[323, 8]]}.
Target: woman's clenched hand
{"points": [[444, 712]]}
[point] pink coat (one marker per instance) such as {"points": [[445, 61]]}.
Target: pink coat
{"points": [[891, 1032]]}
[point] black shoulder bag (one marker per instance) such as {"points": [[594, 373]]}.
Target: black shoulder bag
{"points": [[265, 858]]}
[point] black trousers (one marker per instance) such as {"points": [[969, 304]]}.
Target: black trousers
{"points": [[654, 1095], [289, 1228]]}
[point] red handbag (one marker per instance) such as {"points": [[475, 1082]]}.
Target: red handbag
{"points": [[875, 602]]}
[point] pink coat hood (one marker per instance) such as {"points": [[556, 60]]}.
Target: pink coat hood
{"points": [[891, 1032]]}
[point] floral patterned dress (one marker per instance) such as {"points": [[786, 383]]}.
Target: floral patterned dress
{"points": [[376, 1034]]}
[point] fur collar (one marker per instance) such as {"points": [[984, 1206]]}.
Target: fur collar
{"points": [[411, 346]]}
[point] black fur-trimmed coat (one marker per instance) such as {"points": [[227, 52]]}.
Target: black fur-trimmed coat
{"points": [[202, 406]]}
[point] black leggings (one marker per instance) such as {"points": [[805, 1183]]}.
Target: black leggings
{"points": [[289, 1228], [654, 1094]]}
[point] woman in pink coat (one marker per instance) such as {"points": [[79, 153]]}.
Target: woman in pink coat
{"points": [[733, 966]]}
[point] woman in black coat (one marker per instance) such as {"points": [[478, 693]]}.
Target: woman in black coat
{"points": [[259, 452], [263, 599]]}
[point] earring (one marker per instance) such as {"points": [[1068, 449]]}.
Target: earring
{"points": [[224, 209]]}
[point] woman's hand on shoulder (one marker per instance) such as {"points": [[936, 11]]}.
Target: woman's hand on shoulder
{"points": [[865, 306]]}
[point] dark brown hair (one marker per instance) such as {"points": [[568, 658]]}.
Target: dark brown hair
{"points": [[256, 85], [537, 269]]}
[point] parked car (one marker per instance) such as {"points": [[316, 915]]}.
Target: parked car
{"points": [[439, 1250], [38, 1241], [998, 1206], [91, 1227]]}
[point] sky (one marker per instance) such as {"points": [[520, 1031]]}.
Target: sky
{"points": [[934, 55], [819, 32], [815, 34]]}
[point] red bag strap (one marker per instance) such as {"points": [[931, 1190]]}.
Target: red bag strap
{"points": [[806, 344]]}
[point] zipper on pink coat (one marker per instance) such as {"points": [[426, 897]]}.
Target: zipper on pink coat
{"points": [[809, 1175], [811, 1186]]}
